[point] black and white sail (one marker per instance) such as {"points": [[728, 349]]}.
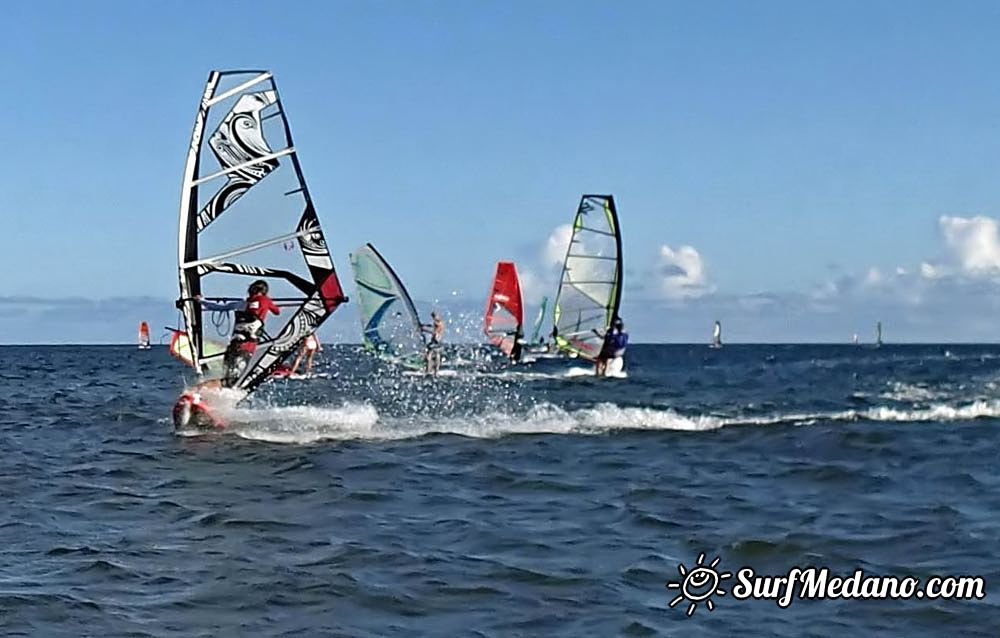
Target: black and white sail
{"points": [[246, 214]]}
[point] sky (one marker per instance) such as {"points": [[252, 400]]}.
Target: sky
{"points": [[795, 170]]}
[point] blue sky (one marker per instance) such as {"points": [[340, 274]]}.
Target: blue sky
{"points": [[811, 158]]}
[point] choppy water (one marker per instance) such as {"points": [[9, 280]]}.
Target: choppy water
{"points": [[497, 504]]}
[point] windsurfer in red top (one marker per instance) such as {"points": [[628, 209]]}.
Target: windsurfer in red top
{"points": [[249, 323]]}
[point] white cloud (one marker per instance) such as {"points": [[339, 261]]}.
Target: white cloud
{"points": [[554, 252], [533, 287], [873, 277], [974, 242], [930, 271], [681, 273]]}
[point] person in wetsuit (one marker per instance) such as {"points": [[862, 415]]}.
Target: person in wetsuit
{"points": [[615, 342], [515, 350], [436, 328], [248, 325]]}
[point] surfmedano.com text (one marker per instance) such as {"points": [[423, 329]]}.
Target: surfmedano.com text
{"points": [[814, 583]]}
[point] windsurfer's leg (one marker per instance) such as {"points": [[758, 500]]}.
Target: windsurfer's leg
{"points": [[298, 360], [309, 361]]}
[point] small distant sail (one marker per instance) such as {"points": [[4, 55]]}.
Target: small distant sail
{"points": [[504, 316], [244, 196], [144, 336], [390, 326], [591, 283], [855, 339], [717, 335], [538, 320], [878, 333]]}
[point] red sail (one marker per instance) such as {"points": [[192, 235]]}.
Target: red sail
{"points": [[143, 335], [504, 310]]}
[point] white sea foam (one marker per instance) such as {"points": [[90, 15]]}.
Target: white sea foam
{"points": [[362, 421], [912, 392]]}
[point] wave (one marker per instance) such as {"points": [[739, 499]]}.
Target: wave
{"points": [[362, 421]]}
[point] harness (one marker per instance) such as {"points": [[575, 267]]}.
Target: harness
{"points": [[618, 343], [614, 345], [247, 325]]}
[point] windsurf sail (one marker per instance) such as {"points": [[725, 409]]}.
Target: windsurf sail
{"points": [[246, 212], [878, 333], [590, 287], [390, 326], [180, 347], [504, 317], [717, 334], [538, 320], [143, 335]]}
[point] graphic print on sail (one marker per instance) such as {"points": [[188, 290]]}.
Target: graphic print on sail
{"points": [[390, 325], [504, 309], [591, 283], [244, 197]]}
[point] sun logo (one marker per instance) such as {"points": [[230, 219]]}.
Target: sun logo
{"points": [[699, 584]]}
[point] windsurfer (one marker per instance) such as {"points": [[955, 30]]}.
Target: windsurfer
{"points": [[436, 328], [249, 316], [615, 342], [308, 350], [515, 349]]}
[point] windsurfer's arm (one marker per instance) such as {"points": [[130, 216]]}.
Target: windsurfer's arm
{"points": [[273, 307]]}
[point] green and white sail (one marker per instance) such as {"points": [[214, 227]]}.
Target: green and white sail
{"points": [[590, 287], [538, 321], [390, 326]]}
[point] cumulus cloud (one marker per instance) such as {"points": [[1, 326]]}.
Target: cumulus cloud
{"points": [[554, 251], [533, 287], [682, 273], [930, 271], [974, 243], [873, 277]]}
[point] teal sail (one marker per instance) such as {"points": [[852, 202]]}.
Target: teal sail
{"points": [[591, 284], [390, 326], [538, 321]]}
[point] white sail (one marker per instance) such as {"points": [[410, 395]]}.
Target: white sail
{"points": [[244, 197]]}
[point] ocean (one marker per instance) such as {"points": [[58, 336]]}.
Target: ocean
{"points": [[534, 501]]}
